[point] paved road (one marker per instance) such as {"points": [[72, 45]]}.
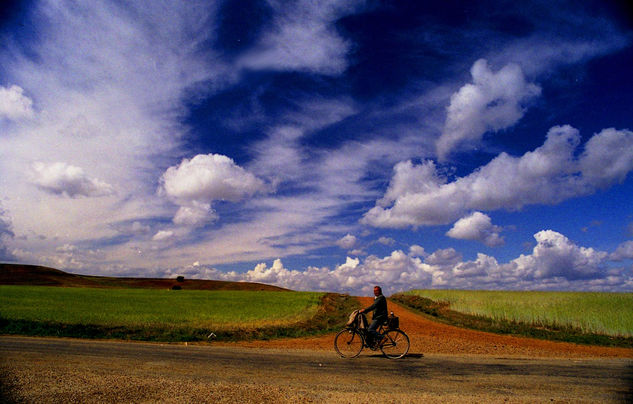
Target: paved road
{"points": [[65, 370]]}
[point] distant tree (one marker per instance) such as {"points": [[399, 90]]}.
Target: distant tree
{"points": [[180, 279]]}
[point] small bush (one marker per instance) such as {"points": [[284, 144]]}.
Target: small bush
{"points": [[176, 287]]}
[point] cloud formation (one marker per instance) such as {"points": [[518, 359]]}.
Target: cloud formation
{"points": [[492, 102], [420, 195], [556, 256], [196, 183], [5, 235], [14, 104], [477, 226], [555, 262], [623, 252], [67, 180], [303, 38], [347, 242]]}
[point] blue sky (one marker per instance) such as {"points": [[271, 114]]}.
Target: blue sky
{"points": [[327, 145]]}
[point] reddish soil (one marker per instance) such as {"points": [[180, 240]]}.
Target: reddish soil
{"points": [[428, 337]]}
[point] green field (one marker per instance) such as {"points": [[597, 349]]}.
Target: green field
{"points": [[151, 308], [590, 312]]}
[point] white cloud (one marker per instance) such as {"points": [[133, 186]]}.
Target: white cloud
{"points": [[6, 234], [347, 242], [209, 177], [417, 251], [447, 257], [555, 263], [396, 272], [303, 37], [386, 241], [194, 215], [623, 251], [477, 226], [64, 179], [196, 183], [482, 267], [607, 158], [556, 256], [410, 179], [163, 235], [494, 101], [14, 104], [548, 175]]}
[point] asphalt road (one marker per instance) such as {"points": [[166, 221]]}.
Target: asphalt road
{"points": [[66, 370]]}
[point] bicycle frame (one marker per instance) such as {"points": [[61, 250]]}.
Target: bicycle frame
{"points": [[351, 340]]}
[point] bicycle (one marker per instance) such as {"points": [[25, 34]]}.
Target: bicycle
{"points": [[392, 342]]}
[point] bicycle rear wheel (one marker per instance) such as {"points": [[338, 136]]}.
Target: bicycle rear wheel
{"points": [[395, 344], [348, 343]]}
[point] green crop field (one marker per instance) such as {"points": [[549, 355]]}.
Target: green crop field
{"points": [[591, 312], [213, 310]]}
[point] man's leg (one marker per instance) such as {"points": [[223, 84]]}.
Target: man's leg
{"points": [[372, 330]]}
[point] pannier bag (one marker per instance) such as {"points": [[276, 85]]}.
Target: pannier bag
{"points": [[393, 322]]}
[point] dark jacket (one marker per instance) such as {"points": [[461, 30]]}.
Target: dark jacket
{"points": [[379, 307]]}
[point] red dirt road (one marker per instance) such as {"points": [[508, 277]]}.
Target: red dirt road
{"points": [[428, 337]]}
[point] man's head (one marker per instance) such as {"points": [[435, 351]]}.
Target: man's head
{"points": [[377, 291]]}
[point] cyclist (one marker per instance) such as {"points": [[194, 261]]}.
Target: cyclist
{"points": [[379, 307]]}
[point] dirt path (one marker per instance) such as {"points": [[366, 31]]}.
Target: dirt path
{"points": [[48, 370], [428, 337]]}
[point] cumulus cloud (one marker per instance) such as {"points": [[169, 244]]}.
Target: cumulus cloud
{"points": [[386, 240], [303, 38], [554, 263], [607, 158], [548, 175], [347, 242], [6, 234], [492, 102], [64, 179], [14, 104], [477, 226], [556, 256], [623, 251], [209, 177], [447, 257], [396, 272], [417, 251], [483, 266], [196, 183], [195, 214]]}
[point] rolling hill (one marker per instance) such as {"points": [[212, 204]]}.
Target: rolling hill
{"points": [[34, 275]]}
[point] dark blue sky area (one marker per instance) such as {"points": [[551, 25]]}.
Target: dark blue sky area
{"points": [[321, 145]]}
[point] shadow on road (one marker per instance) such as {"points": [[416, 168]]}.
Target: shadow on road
{"points": [[7, 394], [628, 396], [407, 356]]}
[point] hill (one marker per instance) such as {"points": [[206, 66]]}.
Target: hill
{"points": [[34, 275]]}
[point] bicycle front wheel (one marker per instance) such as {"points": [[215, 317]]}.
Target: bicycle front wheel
{"points": [[395, 344], [348, 343]]}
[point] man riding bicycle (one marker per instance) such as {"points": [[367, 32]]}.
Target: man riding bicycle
{"points": [[379, 307]]}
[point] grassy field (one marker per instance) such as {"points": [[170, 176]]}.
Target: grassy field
{"points": [[608, 314], [153, 314]]}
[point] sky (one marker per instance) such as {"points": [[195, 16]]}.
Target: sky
{"points": [[329, 145]]}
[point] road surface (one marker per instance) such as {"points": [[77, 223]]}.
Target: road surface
{"points": [[68, 370]]}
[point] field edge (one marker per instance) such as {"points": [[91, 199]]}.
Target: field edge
{"points": [[440, 312], [331, 314]]}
